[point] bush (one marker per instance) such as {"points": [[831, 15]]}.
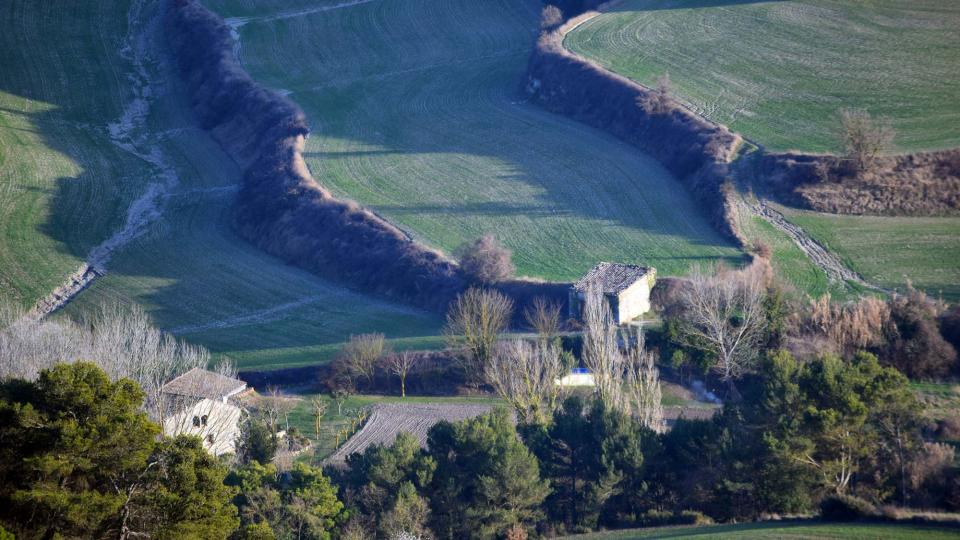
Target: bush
{"points": [[656, 518], [485, 260], [846, 508], [692, 517]]}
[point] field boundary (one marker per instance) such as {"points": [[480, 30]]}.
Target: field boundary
{"points": [[281, 208], [694, 150], [912, 184]]}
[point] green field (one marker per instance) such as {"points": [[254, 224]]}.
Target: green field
{"points": [[779, 531], [890, 251], [778, 71], [417, 111], [65, 186]]}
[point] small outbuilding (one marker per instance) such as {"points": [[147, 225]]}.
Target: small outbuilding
{"points": [[577, 377], [625, 287]]}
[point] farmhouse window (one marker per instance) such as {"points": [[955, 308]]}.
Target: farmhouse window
{"points": [[196, 421]]}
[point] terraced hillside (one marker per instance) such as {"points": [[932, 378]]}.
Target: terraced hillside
{"points": [[778, 71], [91, 120], [417, 111]]}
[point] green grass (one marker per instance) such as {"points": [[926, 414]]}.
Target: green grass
{"points": [[417, 112], [778, 72], [778, 531], [65, 187], [790, 264], [62, 183], [890, 251], [940, 400]]}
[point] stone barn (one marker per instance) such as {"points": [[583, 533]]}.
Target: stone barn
{"points": [[205, 404], [626, 288]]}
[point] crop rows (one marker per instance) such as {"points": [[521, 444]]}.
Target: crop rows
{"points": [[65, 186], [417, 111], [778, 72], [388, 420]]}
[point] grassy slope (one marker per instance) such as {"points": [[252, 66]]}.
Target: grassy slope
{"points": [[417, 111], [889, 251], [779, 71], [62, 183], [795, 531], [65, 187]]}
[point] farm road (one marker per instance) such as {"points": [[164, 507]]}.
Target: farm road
{"points": [[835, 268]]}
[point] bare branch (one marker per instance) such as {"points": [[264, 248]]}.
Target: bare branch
{"points": [[526, 376]]}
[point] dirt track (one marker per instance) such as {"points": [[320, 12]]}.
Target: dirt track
{"points": [[835, 269], [131, 134]]}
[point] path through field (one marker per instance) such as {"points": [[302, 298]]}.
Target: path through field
{"points": [[417, 111], [828, 262], [102, 164]]}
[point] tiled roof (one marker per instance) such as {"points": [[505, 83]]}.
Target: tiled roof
{"points": [[201, 383], [612, 277]]}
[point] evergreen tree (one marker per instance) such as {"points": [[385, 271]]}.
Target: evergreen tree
{"points": [[79, 459], [301, 503], [486, 480], [594, 460]]}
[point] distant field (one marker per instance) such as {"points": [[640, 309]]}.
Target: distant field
{"points": [[779, 531], [890, 251], [65, 186], [778, 71], [417, 111]]}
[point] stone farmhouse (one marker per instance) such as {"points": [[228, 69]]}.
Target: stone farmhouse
{"points": [[205, 404], [625, 287]]}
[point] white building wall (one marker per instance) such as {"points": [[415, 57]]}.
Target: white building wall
{"points": [[634, 301], [219, 425]]}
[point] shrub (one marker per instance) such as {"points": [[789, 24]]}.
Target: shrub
{"points": [[692, 517], [846, 508], [551, 17], [656, 518], [918, 349], [864, 138], [485, 260]]}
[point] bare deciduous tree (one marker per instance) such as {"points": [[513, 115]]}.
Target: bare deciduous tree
{"points": [[320, 406], [723, 314], [274, 406], [544, 317], [550, 17], [643, 383], [658, 99], [486, 260], [120, 339], [475, 320], [525, 375], [340, 395], [864, 138], [401, 364], [361, 353], [601, 349]]}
